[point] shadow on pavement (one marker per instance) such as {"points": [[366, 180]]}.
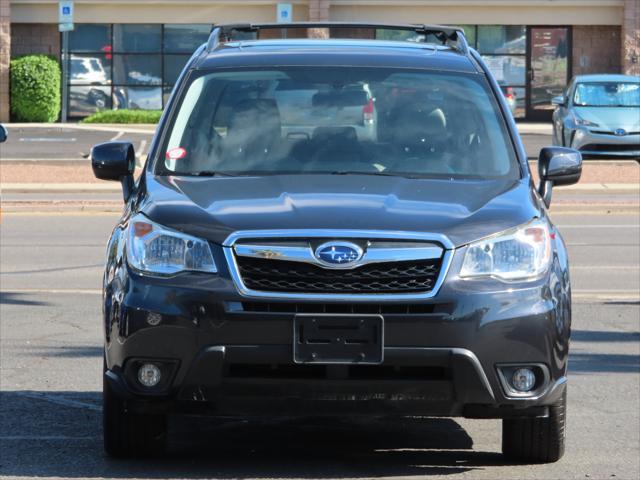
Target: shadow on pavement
{"points": [[13, 298], [604, 336], [58, 434], [603, 362]]}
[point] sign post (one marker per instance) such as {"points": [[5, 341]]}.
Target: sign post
{"points": [[65, 25], [284, 14]]}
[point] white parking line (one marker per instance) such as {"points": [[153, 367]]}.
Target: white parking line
{"points": [[117, 136]]}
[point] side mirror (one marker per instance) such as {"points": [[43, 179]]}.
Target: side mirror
{"points": [[3, 133], [557, 166], [115, 161], [559, 101]]}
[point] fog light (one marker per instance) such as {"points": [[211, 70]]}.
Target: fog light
{"points": [[149, 375], [154, 319], [523, 379]]}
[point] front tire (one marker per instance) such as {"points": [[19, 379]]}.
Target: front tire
{"points": [[536, 440], [128, 434]]}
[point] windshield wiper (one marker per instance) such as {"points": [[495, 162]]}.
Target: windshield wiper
{"points": [[377, 174], [211, 173]]}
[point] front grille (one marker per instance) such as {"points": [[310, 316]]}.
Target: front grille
{"points": [[602, 147], [347, 308], [296, 277]]}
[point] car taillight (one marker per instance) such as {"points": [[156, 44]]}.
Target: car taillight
{"points": [[368, 111]]}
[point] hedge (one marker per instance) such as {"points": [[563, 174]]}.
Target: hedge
{"points": [[35, 88], [125, 116]]}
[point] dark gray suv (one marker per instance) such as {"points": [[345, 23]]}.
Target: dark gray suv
{"points": [[336, 227]]}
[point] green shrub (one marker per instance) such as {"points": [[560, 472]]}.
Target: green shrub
{"points": [[35, 88], [124, 116]]}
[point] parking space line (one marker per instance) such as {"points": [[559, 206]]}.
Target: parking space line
{"points": [[117, 136]]}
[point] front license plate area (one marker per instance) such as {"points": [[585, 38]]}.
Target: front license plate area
{"points": [[338, 339]]}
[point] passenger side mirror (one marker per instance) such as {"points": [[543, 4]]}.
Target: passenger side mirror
{"points": [[557, 166], [115, 161], [559, 101], [3, 133]]}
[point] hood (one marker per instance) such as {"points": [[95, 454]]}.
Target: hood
{"points": [[213, 208], [610, 118]]}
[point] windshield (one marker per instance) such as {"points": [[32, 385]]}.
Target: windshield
{"points": [[607, 94], [338, 120]]}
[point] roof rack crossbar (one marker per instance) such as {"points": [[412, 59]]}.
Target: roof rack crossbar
{"points": [[452, 37]]}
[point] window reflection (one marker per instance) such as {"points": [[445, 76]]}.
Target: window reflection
{"points": [[137, 98], [89, 69], [137, 70], [137, 38], [90, 38], [184, 38], [502, 39], [86, 100]]}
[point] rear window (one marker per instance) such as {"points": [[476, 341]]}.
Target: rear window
{"points": [[338, 119]]}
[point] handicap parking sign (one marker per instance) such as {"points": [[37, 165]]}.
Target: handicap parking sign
{"points": [[284, 13], [65, 12]]}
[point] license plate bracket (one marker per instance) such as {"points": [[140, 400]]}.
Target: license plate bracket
{"points": [[338, 339]]}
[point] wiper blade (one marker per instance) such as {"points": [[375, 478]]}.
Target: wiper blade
{"points": [[211, 173], [356, 172]]}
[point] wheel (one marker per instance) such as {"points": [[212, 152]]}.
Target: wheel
{"points": [[128, 434], [536, 440]]}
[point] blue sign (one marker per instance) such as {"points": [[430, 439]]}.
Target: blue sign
{"points": [[284, 13], [65, 12]]}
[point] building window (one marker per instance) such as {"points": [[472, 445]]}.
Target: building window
{"points": [[127, 65], [504, 49]]}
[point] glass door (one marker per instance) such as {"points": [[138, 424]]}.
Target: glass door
{"points": [[548, 69]]}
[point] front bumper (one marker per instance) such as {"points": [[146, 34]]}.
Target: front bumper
{"points": [[595, 144], [231, 355]]}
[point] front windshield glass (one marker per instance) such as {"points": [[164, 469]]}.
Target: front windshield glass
{"points": [[607, 94], [338, 120]]}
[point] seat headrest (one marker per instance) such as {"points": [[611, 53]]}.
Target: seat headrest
{"points": [[342, 134], [415, 127]]}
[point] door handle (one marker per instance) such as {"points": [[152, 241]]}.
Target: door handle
{"points": [[531, 75]]}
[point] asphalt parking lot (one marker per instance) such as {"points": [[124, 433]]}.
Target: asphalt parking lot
{"points": [[50, 378]]}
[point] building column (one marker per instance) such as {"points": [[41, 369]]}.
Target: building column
{"points": [[631, 38], [5, 49]]}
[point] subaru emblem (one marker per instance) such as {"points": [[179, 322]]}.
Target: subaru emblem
{"points": [[620, 132], [337, 254]]}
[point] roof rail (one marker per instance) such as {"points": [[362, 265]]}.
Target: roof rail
{"points": [[452, 37]]}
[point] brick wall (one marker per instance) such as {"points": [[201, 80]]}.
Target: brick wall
{"points": [[596, 49], [5, 47], [35, 38], [630, 51]]}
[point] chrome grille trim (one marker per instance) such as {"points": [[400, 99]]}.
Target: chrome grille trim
{"points": [[306, 254], [255, 235]]}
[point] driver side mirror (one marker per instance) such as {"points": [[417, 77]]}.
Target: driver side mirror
{"points": [[3, 133], [557, 166], [558, 101], [115, 161]]}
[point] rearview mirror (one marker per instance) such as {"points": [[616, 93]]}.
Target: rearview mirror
{"points": [[557, 100], [3, 133], [115, 161], [557, 166]]}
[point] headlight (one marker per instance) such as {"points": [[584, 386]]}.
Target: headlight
{"points": [[582, 122], [153, 248], [522, 253]]}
